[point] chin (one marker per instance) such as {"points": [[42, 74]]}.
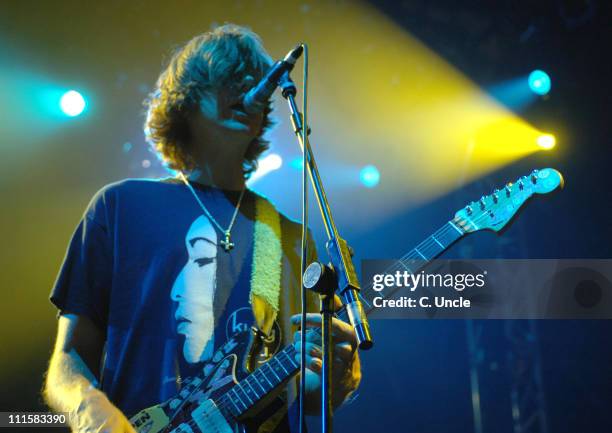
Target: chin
{"points": [[191, 354], [189, 357]]}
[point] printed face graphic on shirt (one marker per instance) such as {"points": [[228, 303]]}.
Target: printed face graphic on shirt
{"points": [[194, 290]]}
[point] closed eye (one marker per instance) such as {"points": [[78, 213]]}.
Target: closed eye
{"points": [[204, 261], [193, 241]]}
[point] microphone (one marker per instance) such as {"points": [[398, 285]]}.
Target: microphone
{"points": [[256, 99]]}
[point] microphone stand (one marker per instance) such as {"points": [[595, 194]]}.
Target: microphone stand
{"points": [[326, 280]]}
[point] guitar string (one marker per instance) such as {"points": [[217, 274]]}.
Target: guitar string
{"points": [[424, 245], [225, 401], [450, 226]]}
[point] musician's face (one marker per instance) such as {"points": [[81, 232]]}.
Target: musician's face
{"points": [[194, 289], [222, 115]]}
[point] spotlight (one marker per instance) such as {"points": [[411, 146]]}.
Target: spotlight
{"points": [[266, 165], [72, 103], [539, 82], [369, 176], [546, 141], [273, 161]]}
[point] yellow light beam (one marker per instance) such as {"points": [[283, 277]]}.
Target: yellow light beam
{"points": [[379, 96]]}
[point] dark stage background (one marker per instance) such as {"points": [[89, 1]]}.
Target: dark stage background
{"points": [[420, 375]]}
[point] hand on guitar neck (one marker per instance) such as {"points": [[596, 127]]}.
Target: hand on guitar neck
{"points": [[346, 373]]}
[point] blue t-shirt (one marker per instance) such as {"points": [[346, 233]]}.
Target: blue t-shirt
{"points": [[147, 267]]}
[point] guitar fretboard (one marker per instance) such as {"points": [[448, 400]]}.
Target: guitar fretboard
{"points": [[416, 259], [250, 390], [281, 367]]}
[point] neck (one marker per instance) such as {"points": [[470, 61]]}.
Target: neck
{"points": [[228, 177]]}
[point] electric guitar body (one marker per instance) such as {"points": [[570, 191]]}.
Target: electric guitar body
{"points": [[202, 405]]}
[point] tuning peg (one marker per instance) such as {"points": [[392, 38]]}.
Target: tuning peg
{"points": [[495, 195], [469, 210], [482, 202], [521, 184], [508, 189], [534, 176]]}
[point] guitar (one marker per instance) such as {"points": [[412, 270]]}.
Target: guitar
{"points": [[228, 397]]}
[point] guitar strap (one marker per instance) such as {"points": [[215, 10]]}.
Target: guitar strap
{"points": [[267, 264]]}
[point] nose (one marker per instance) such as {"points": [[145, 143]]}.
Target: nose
{"points": [[178, 287]]}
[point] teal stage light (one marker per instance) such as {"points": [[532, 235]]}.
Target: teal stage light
{"points": [[72, 103], [369, 176], [539, 82]]}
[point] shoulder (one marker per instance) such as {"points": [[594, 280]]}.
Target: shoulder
{"points": [[107, 198], [131, 185], [289, 226]]}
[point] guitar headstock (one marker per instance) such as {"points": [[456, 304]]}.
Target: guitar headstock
{"points": [[494, 211]]}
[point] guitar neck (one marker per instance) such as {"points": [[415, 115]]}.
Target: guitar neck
{"points": [[253, 388], [416, 259], [281, 367]]}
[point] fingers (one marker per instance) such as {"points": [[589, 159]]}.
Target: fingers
{"points": [[312, 349], [341, 331], [343, 352], [312, 337], [343, 338], [313, 356]]}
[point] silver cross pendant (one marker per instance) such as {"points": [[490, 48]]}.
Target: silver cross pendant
{"points": [[227, 242]]}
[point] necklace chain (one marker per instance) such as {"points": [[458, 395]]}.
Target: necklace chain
{"points": [[227, 233]]}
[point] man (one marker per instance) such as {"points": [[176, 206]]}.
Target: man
{"points": [[160, 274]]}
